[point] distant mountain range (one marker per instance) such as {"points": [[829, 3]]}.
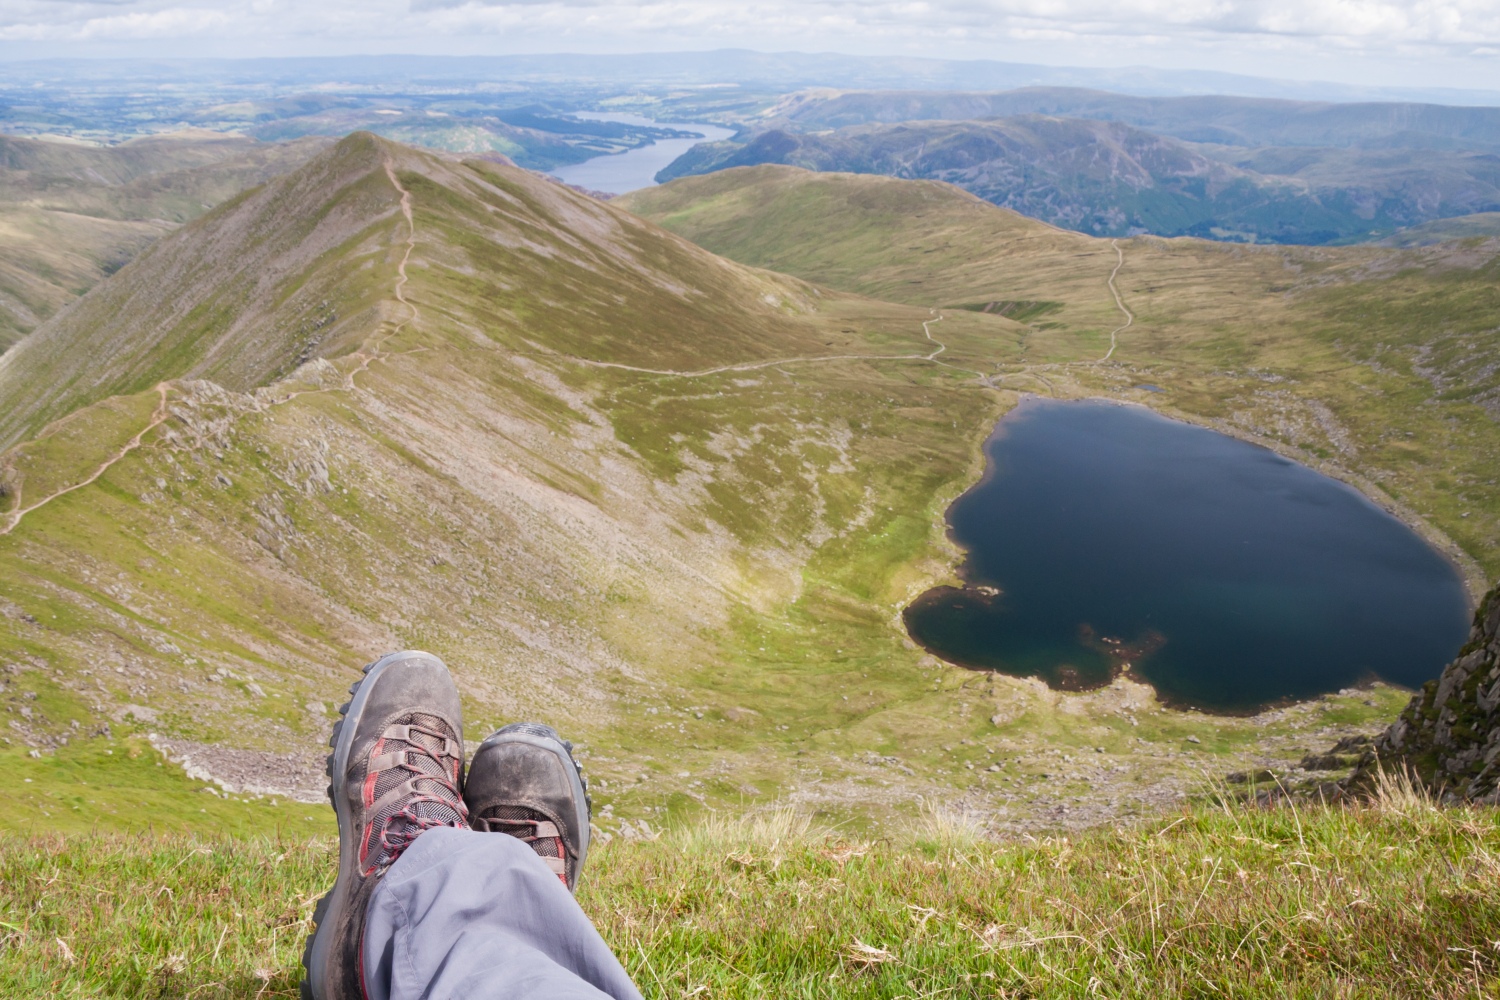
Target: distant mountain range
{"points": [[1232, 121], [1112, 165], [651, 71]]}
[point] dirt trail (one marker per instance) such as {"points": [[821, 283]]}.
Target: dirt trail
{"points": [[753, 365], [374, 354], [411, 244], [157, 416], [941, 347], [367, 358], [1129, 316]]}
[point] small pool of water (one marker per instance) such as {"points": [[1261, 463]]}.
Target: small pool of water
{"points": [[1106, 539], [617, 173]]}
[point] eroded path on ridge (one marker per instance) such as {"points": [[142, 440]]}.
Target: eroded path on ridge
{"points": [[157, 416], [369, 357], [1029, 370], [374, 354], [161, 413], [1129, 316], [754, 365]]}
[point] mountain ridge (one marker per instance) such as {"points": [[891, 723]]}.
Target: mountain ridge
{"points": [[124, 336], [1112, 179], [73, 214], [572, 467], [672, 501]]}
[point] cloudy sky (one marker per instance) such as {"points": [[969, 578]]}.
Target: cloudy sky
{"points": [[1453, 43]]}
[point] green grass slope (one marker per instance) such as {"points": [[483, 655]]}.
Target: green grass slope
{"points": [[920, 242], [185, 307], [49, 258], [1372, 364], [671, 503], [1480, 224], [1395, 900]]}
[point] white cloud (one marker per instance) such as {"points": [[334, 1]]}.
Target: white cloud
{"points": [[1281, 36]]}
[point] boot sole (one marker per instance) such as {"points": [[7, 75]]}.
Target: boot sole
{"points": [[317, 953]]}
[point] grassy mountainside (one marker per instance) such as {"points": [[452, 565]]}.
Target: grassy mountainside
{"points": [[1112, 179], [72, 214], [1396, 900], [49, 258], [173, 177], [1373, 364], [255, 267], [1481, 224], [671, 503]]}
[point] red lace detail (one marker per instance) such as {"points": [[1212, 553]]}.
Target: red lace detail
{"points": [[394, 844], [441, 797]]}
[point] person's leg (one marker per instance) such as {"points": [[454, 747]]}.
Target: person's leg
{"points": [[453, 912], [395, 773], [480, 916]]}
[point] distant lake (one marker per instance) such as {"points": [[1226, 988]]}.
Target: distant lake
{"points": [[1107, 539], [618, 173]]}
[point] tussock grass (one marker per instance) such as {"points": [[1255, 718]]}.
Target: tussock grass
{"points": [[952, 827], [1392, 898], [769, 830]]}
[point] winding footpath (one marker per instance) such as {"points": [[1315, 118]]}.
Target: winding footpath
{"points": [[367, 358], [1129, 316], [753, 365], [1114, 336], [161, 412]]}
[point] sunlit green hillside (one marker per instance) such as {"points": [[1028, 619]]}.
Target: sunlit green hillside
{"points": [[671, 503], [1395, 900], [1374, 364]]}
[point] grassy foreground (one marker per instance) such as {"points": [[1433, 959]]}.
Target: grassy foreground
{"points": [[1393, 899]]}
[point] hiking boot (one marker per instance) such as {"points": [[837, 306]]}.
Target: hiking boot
{"points": [[397, 770], [524, 782]]}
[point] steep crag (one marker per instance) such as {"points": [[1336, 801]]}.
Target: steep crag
{"points": [[1449, 735]]}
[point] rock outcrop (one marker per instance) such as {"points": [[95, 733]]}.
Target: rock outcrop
{"points": [[1449, 735]]}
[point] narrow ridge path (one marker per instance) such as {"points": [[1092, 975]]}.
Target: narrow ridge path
{"points": [[160, 414], [374, 354], [1129, 316], [753, 365], [367, 358], [157, 416]]}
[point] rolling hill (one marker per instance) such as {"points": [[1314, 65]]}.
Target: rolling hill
{"points": [[543, 438], [1375, 361]]}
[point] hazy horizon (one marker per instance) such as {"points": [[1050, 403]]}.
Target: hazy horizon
{"points": [[1366, 43], [784, 70]]}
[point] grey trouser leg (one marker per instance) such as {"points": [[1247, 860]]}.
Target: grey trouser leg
{"points": [[464, 915]]}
